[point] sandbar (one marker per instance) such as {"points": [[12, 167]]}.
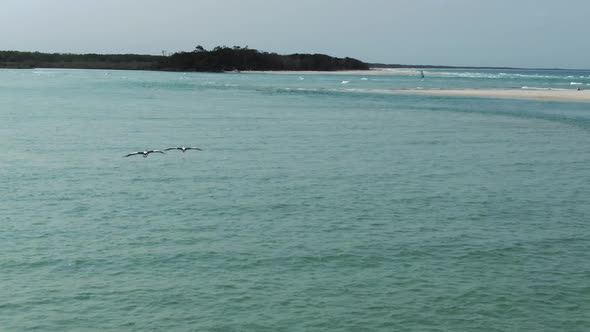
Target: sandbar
{"points": [[530, 94], [545, 94], [372, 71]]}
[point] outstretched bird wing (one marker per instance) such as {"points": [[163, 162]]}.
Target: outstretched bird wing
{"points": [[133, 154], [174, 148], [193, 148], [154, 151]]}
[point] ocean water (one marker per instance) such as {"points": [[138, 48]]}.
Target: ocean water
{"points": [[317, 204]]}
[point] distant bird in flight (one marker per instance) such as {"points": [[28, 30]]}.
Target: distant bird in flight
{"points": [[183, 148], [143, 153]]}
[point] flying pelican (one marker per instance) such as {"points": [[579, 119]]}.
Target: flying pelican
{"points": [[143, 153], [183, 148]]}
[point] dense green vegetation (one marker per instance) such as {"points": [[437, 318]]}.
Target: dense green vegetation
{"points": [[238, 58], [15, 59], [216, 60]]}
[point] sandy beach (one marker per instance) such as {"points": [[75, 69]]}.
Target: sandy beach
{"points": [[560, 95], [372, 71]]}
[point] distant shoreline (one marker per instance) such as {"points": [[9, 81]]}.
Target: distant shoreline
{"points": [[413, 71], [224, 59], [219, 59], [371, 71], [425, 67]]}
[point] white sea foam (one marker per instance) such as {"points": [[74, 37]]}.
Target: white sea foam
{"points": [[575, 83], [537, 88], [345, 82], [490, 75], [43, 72], [400, 71], [534, 88]]}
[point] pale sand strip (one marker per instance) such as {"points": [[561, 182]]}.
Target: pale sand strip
{"points": [[372, 71], [563, 95]]}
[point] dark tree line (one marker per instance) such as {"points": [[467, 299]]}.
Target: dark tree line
{"points": [[216, 60], [238, 58], [15, 59]]}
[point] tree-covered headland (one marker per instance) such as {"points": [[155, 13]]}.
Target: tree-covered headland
{"points": [[244, 58], [221, 58]]}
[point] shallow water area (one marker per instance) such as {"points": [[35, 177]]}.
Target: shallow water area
{"points": [[312, 206]]}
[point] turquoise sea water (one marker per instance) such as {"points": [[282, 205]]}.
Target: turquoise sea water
{"points": [[316, 205]]}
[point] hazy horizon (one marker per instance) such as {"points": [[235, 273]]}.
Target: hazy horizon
{"points": [[529, 34]]}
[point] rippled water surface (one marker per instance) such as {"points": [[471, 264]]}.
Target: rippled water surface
{"points": [[315, 205]]}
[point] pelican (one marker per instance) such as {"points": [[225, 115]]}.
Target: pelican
{"points": [[183, 148], [143, 153]]}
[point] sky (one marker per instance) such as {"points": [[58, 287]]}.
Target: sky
{"points": [[515, 33]]}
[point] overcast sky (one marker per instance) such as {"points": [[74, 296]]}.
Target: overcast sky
{"points": [[523, 33]]}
